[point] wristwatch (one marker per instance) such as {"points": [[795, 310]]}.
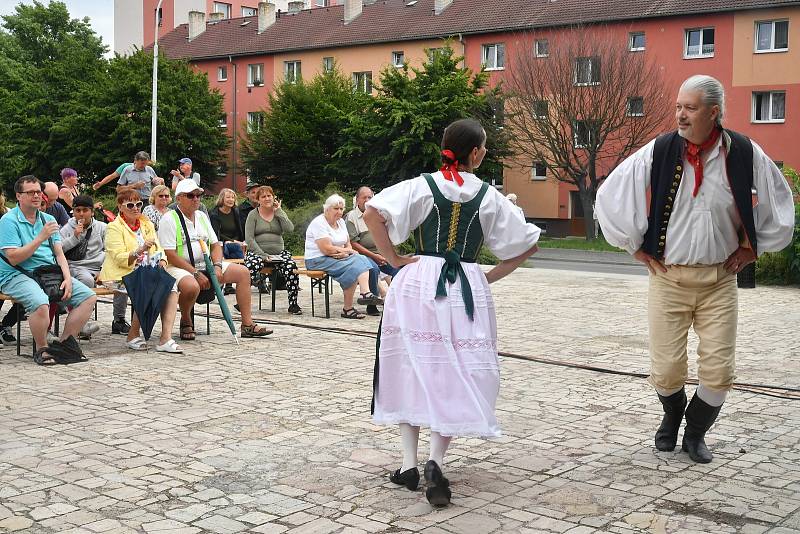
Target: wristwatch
{"points": [[218, 264], [195, 273]]}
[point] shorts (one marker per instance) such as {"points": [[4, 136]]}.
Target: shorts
{"points": [[27, 292]]}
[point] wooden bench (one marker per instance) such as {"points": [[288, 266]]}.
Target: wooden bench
{"points": [[319, 281], [98, 291]]}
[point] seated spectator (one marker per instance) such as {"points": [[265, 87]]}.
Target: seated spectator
{"points": [[69, 188], [250, 203], [227, 224], [138, 176], [113, 176], [30, 239], [160, 199], [129, 239], [51, 206], [180, 233], [328, 249], [10, 319], [263, 233], [184, 172], [512, 197], [83, 241], [361, 241]]}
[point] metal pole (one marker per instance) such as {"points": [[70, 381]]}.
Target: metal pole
{"points": [[154, 110]]}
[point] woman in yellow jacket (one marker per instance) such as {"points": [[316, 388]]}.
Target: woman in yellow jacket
{"points": [[128, 238]]}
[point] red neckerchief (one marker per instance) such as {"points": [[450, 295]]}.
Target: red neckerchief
{"points": [[450, 170], [694, 155], [135, 226]]}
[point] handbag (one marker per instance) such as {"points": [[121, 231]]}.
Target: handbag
{"points": [[49, 277], [78, 252], [206, 295]]}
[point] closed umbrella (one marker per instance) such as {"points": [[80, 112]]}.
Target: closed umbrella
{"points": [[223, 305], [148, 287]]}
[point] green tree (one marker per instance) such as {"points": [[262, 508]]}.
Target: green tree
{"points": [[400, 134], [293, 148], [45, 58], [109, 121]]}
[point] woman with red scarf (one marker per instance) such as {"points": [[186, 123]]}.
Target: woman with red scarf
{"points": [[130, 239], [437, 347]]}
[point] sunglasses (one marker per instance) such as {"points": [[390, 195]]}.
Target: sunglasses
{"points": [[163, 196], [192, 196], [131, 205]]}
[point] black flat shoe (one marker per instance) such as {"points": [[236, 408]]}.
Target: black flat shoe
{"points": [[408, 478], [438, 491]]}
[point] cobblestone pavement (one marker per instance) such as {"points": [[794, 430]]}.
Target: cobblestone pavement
{"points": [[275, 436]]}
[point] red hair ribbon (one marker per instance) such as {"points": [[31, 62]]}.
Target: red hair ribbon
{"points": [[450, 170]]}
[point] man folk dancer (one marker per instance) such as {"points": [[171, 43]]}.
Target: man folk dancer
{"points": [[703, 226]]}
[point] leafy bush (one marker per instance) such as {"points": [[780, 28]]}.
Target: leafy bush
{"points": [[784, 267]]}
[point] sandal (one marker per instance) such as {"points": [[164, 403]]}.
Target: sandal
{"points": [[137, 343], [43, 357], [369, 299], [255, 330], [187, 332], [170, 346], [352, 313]]}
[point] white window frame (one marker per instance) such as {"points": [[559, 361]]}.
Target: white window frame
{"points": [[398, 54], [701, 54], [328, 64], [222, 73], [253, 11], [225, 6], [362, 82], [771, 48], [321, 3], [255, 121], [631, 37], [223, 121], [492, 54], [535, 176], [589, 139], [628, 112], [432, 53], [594, 64], [537, 51], [252, 70], [292, 70], [536, 114], [770, 120]]}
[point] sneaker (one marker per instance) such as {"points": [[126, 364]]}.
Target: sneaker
{"points": [[88, 329], [229, 290], [120, 326], [263, 287], [373, 310], [294, 309], [6, 337]]}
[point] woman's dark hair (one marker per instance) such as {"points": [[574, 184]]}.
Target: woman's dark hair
{"points": [[461, 137]]}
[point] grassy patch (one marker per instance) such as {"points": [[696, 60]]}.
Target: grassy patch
{"points": [[577, 243]]}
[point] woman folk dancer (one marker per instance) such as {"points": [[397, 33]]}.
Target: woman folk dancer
{"points": [[437, 346]]}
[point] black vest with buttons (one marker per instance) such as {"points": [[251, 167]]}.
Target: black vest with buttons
{"points": [[665, 177]]}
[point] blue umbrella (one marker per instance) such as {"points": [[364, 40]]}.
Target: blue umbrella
{"points": [[148, 287]]}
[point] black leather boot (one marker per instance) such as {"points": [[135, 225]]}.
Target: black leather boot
{"points": [[667, 434], [699, 417]]}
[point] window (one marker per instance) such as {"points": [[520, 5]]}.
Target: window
{"points": [[541, 109], [539, 171], [222, 73], [321, 3], [249, 11], [222, 169], [432, 53], [583, 135], [327, 64], [291, 71], [635, 107], [587, 70], [769, 107], [636, 41], [255, 74], [225, 9], [160, 16], [699, 43], [223, 120], [778, 164], [772, 36], [255, 121], [494, 56], [398, 58], [362, 82], [541, 48]]}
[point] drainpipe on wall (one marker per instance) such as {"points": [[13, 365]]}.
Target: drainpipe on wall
{"points": [[463, 49], [235, 124]]}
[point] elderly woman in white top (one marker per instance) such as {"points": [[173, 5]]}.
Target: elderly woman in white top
{"points": [[328, 249]]}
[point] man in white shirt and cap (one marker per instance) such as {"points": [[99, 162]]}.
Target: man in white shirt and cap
{"points": [[716, 202]]}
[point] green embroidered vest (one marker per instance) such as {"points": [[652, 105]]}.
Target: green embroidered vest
{"points": [[452, 230]]}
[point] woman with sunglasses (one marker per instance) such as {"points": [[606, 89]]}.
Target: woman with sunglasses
{"points": [[160, 199], [128, 238]]}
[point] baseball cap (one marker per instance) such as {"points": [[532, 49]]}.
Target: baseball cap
{"points": [[187, 186], [250, 185], [185, 160]]}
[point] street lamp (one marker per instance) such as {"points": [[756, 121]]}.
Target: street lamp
{"points": [[154, 110]]}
